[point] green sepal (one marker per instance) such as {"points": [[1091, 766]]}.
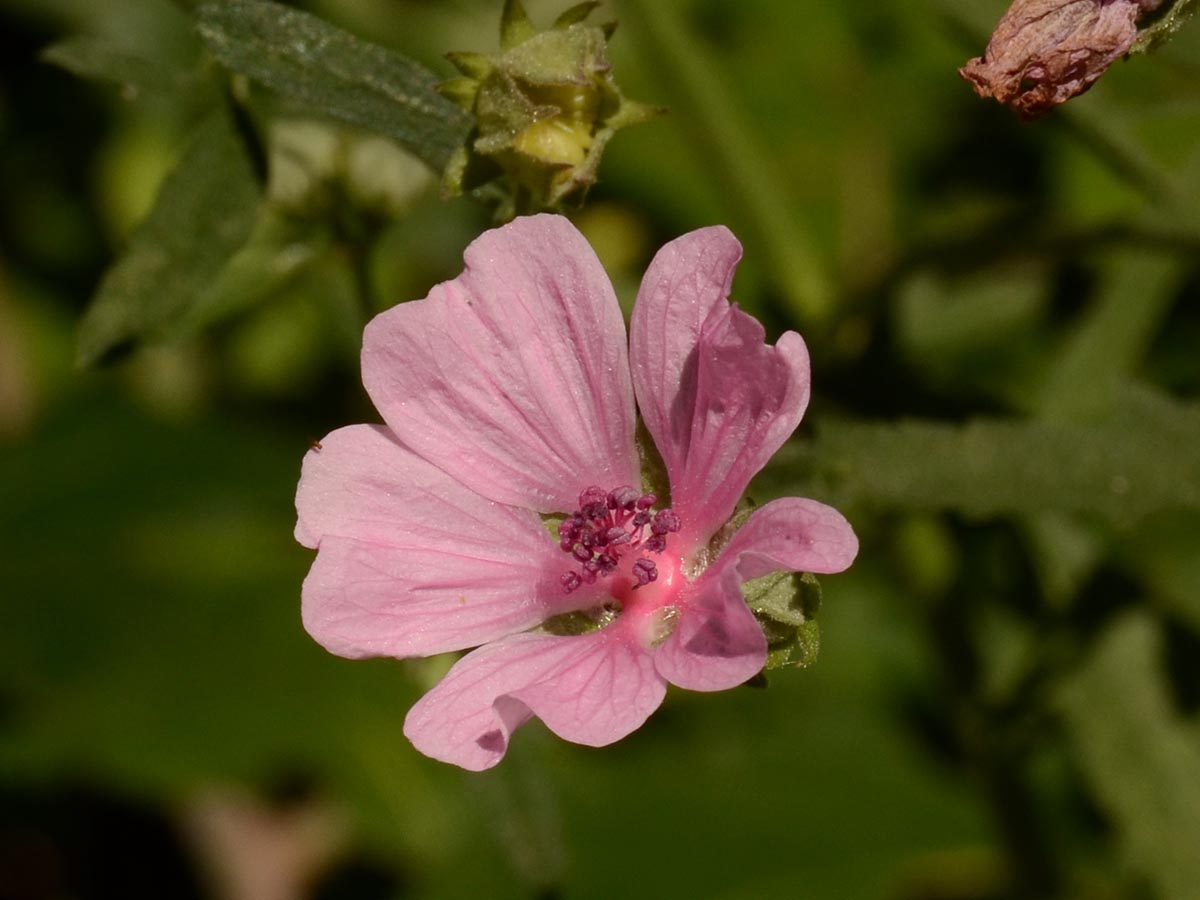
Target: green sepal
{"points": [[786, 604], [461, 90], [790, 598], [654, 472], [631, 112], [551, 521], [576, 14], [467, 172], [515, 27], [570, 624], [800, 648], [472, 65], [717, 542], [581, 621], [572, 56]]}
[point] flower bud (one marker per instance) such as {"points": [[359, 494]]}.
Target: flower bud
{"points": [[1044, 52], [545, 107]]}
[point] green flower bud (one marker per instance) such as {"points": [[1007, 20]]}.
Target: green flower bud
{"points": [[545, 107]]}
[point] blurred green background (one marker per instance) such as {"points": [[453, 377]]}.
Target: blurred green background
{"points": [[1006, 372]]}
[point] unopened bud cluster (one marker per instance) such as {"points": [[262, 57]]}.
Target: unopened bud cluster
{"points": [[545, 108]]}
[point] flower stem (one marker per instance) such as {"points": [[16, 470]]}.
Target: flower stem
{"points": [[1162, 25]]}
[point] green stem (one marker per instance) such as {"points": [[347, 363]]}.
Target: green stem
{"points": [[718, 129], [1161, 26]]}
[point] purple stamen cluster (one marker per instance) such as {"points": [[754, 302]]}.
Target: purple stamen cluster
{"points": [[609, 524]]}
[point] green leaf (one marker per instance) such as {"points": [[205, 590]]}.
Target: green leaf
{"points": [[1163, 553], [90, 57], [204, 213], [1139, 460], [277, 250], [1112, 336], [1141, 757], [336, 74]]}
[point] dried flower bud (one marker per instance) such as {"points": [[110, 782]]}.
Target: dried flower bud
{"points": [[544, 108], [1044, 52]]}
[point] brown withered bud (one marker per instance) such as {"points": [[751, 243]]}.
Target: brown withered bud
{"points": [[1044, 52]]}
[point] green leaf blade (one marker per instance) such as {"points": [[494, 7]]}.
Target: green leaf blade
{"points": [[334, 73], [204, 213], [94, 58], [1141, 757]]}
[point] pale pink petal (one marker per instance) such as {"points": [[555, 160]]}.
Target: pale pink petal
{"points": [[592, 689], [749, 399], [717, 400], [790, 534], [410, 562], [513, 377], [718, 644], [686, 281]]}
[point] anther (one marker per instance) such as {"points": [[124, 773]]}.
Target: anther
{"points": [[645, 571], [591, 495], [622, 498], [593, 503], [665, 522], [608, 525], [616, 535]]}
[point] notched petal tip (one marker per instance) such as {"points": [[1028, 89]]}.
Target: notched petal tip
{"points": [[590, 689], [747, 398], [329, 464], [789, 534]]}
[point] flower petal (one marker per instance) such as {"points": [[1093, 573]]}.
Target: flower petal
{"points": [[718, 401], [789, 534], [592, 689], [513, 377], [687, 280], [718, 643], [410, 562]]}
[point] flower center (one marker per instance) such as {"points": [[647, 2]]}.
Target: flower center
{"points": [[611, 527]]}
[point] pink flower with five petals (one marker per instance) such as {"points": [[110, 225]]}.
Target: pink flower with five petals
{"points": [[508, 396]]}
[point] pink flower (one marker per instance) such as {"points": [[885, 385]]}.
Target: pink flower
{"points": [[508, 395]]}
